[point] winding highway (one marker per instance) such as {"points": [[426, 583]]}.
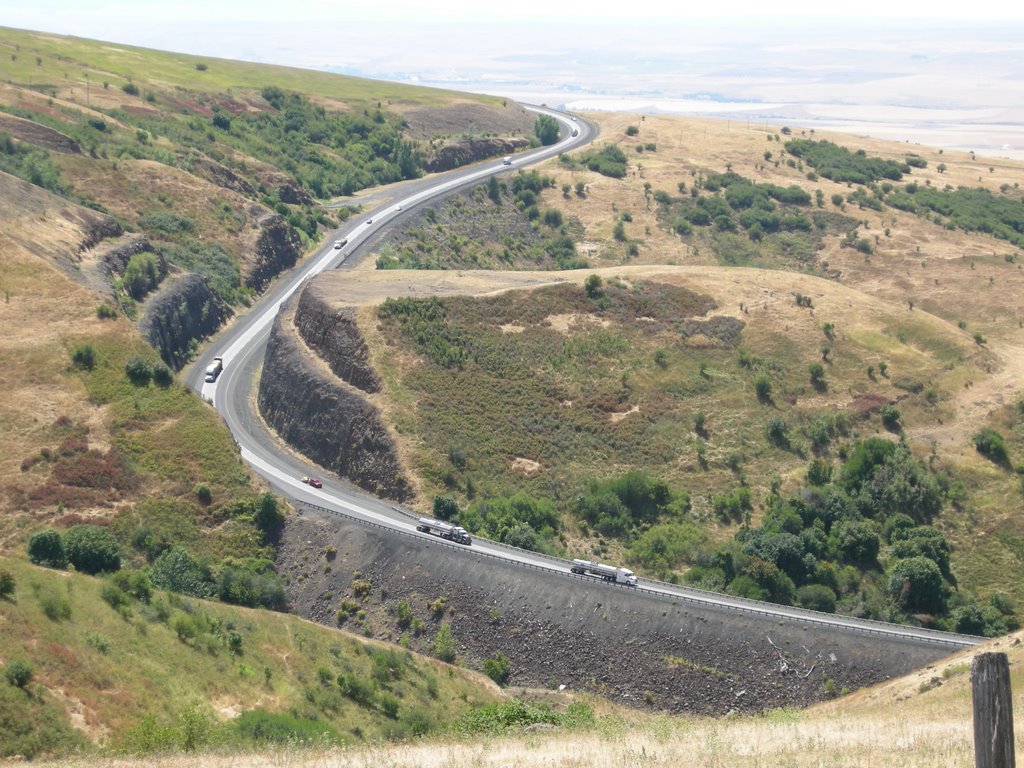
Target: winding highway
{"points": [[242, 346]]}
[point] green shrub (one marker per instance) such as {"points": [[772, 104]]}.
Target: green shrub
{"points": [[18, 673], [131, 89], [7, 584], [55, 607], [46, 548], [98, 642], [176, 570], [915, 584], [990, 444], [106, 312], [608, 161], [135, 583], [498, 668], [817, 372], [507, 716], [92, 549], [445, 508], [444, 644], [817, 597], [777, 432], [114, 596], [203, 493], [388, 704], [546, 129], [890, 416], [403, 615], [162, 375], [262, 727], [763, 389], [267, 516], [142, 274], [244, 587], [139, 370], [84, 357]]}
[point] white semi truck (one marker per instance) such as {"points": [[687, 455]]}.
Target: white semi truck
{"points": [[446, 531], [606, 572], [213, 369]]}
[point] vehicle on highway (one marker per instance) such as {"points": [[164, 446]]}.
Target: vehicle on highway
{"points": [[340, 244], [575, 131], [398, 207], [313, 482], [369, 222], [605, 572], [507, 160], [213, 370], [573, 119], [455, 533]]}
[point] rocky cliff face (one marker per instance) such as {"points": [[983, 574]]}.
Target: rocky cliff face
{"points": [[636, 648], [277, 248], [182, 310], [470, 151], [215, 173], [325, 418], [334, 336], [115, 255]]}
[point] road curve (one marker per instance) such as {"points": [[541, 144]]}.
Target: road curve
{"points": [[242, 347]]}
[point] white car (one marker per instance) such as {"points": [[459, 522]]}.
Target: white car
{"points": [[338, 244], [398, 207]]}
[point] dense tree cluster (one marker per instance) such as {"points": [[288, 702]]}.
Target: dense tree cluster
{"points": [[840, 164], [862, 545], [95, 549], [737, 204]]}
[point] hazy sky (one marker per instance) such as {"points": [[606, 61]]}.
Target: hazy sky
{"points": [[917, 69], [67, 16]]}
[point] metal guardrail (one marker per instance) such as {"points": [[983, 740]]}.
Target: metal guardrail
{"points": [[704, 598]]}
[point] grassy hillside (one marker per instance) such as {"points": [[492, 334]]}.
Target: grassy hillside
{"points": [[112, 673], [118, 64], [919, 721], [218, 163], [882, 303]]}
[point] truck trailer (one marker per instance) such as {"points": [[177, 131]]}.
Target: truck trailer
{"points": [[605, 572], [446, 531], [213, 369]]}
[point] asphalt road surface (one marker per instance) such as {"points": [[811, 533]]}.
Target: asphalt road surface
{"points": [[242, 345]]}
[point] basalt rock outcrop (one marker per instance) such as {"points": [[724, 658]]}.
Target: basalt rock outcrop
{"points": [[277, 248], [635, 647], [325, 418], [182, 311], [115, 255], [335, 337], [222, 176], [32, 132], [470, 151]]}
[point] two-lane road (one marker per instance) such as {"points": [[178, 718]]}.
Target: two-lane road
{"points": [[242, 348]]}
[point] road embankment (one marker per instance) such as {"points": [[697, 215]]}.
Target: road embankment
{"points": [[324, 417], [631, 646]]}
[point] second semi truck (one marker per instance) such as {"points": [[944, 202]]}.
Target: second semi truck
{"points": [[606, 572], [447, 531]]}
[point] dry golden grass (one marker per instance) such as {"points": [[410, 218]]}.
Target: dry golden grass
{"points": [[43, 313]]}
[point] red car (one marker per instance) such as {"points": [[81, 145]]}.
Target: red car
{"points": [[312, 481]]}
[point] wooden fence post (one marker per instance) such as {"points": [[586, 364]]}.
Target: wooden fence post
{"points": [[993, 711]]}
